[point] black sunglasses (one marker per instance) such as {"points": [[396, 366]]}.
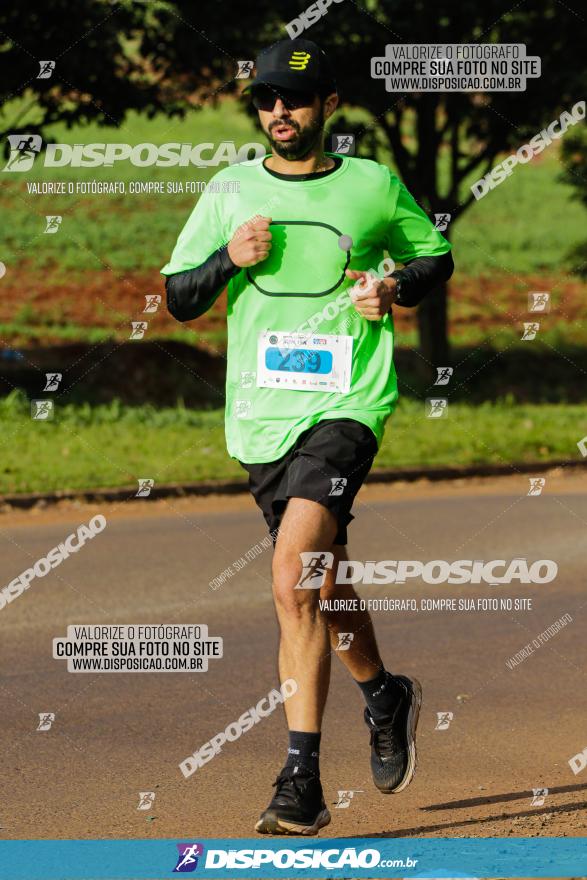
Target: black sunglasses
{"points": [[264, 98]]}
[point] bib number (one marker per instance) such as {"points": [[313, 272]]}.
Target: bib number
{"points": [[303, 362]]}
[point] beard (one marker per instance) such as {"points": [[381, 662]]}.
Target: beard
{"points": [[304, 140]]}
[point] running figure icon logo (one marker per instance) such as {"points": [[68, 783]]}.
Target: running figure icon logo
{"points": [[530, 330], [138, 329], [539, 795], [343, 144], [444, 719], [539, 301], [46, 719], [24, 149], [41, 410], [338, 485], [344, 641], [52, 381], [187, 860], [441, 222], [345, 797], [245, 69], [152, 302], [46, 68], [438, 407], [537, 484], [314, 570], [444, 374], [53, 222], [146, 799]]}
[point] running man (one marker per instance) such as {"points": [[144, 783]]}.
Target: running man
{"points": [[310, 384]]}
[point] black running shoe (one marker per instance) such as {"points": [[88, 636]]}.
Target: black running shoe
{"points": [[297, 806], [393, 746]]}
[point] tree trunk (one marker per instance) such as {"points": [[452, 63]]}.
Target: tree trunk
{"points": [[433, 328]]}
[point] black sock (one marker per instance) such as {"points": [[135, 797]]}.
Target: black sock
{"points": [[381, 695], [304, 751]]}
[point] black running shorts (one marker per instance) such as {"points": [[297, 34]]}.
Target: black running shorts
{"points": [[328, 464]]}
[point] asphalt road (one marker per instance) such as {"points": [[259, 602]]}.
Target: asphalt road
{"points": [[115, 735]]}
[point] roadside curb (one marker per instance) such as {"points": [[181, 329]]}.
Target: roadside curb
{"points": [[236, 487]]}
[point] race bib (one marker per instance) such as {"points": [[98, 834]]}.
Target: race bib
{"points": [[304, 362]]}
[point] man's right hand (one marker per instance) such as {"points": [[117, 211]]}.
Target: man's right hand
{"points": [[251, 242]]}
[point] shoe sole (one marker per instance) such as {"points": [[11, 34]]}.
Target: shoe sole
{"points": [[270, 823], [413, 715]]}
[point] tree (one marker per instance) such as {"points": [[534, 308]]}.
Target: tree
{"points": [[574, 157], [98, 72], [440, 142]]}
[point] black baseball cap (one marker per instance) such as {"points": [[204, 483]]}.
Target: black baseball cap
{"points": [[298, 64]]}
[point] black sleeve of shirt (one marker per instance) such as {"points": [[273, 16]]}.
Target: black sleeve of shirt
{"points": [[420, 276], [193, 292]]}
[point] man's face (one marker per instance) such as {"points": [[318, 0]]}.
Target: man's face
{"points": [[292, 121]]}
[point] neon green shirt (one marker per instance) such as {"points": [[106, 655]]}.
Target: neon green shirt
{"points": [[301, 286]]}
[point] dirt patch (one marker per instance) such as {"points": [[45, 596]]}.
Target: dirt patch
{"points": [[102, 300], [187, 361], [110, 301]]}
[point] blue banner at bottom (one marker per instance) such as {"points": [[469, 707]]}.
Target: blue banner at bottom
{"points": [[352, 857]]}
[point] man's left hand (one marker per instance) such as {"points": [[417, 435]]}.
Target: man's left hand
{"points": [[372, 297]]}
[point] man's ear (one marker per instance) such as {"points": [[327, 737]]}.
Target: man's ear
{"points": [[330, 104]]}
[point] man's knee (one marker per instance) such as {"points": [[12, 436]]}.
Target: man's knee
{"points": [[295, 603], [291, 595]]}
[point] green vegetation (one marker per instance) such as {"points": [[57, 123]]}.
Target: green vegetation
{"points": [[527, 224], [112, 445]]}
